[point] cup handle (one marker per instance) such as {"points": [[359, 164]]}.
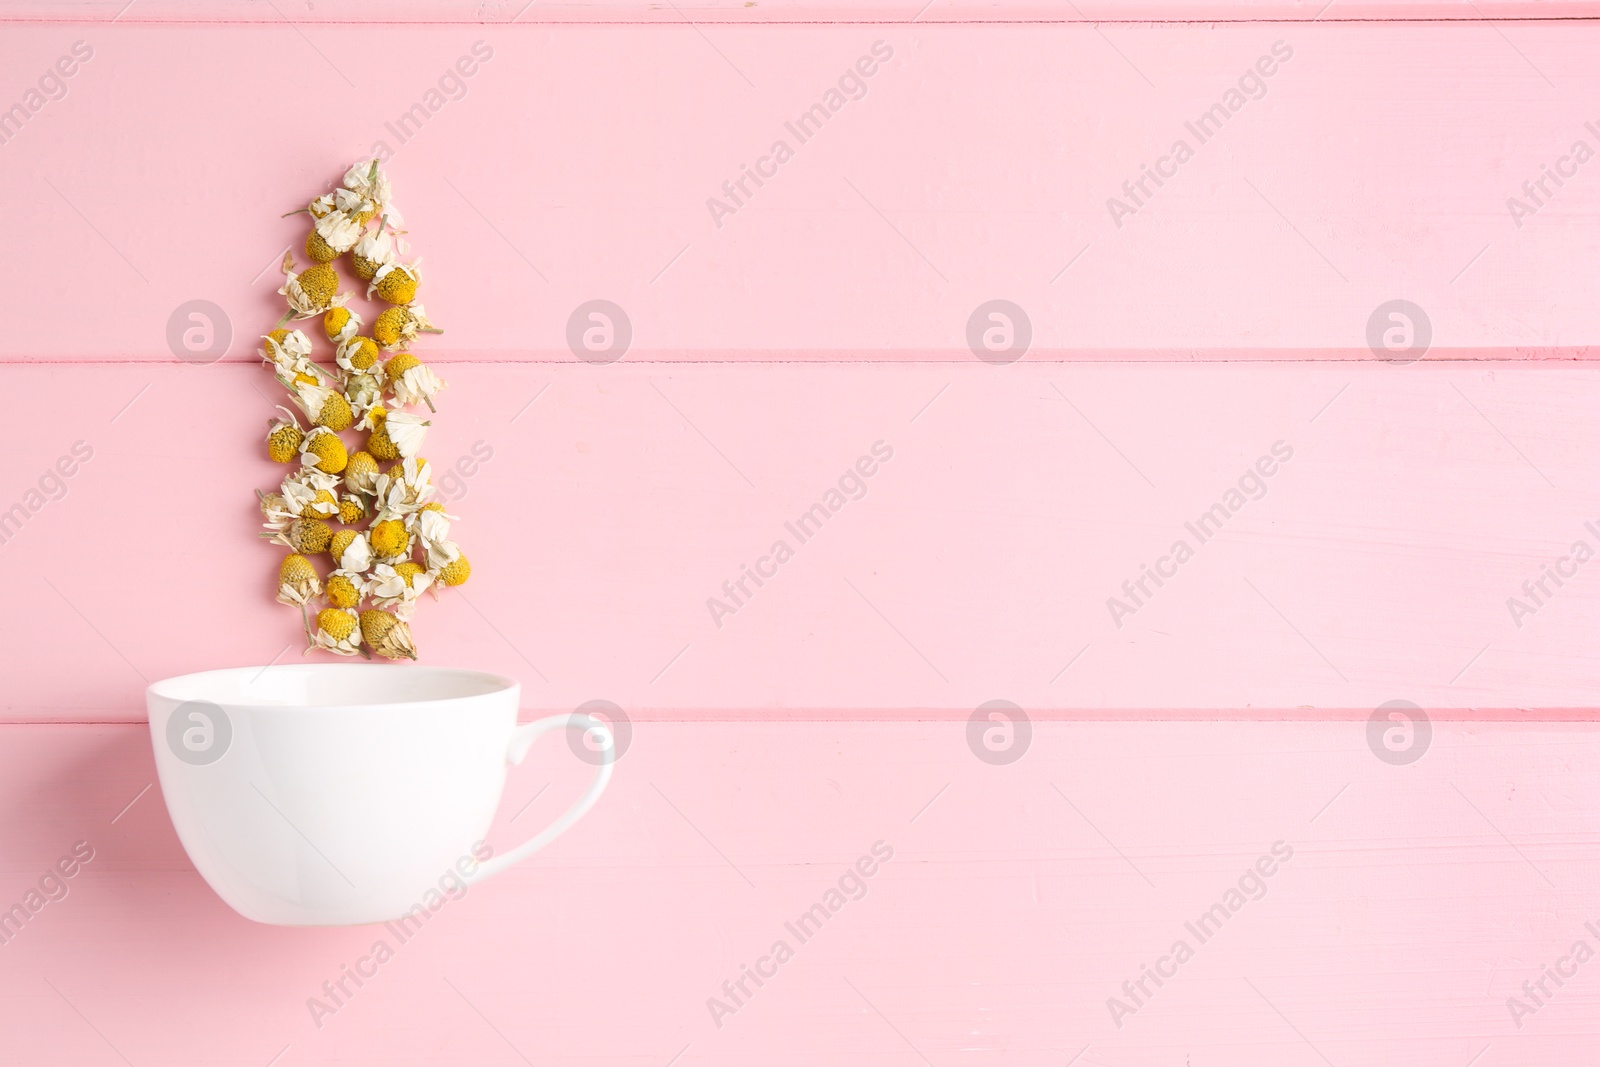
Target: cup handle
{"points": [[522, 738]]}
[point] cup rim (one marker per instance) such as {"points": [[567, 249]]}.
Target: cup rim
{"points": [[500, 684]]}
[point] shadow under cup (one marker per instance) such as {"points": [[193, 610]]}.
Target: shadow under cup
{"points": [[333, 794]]}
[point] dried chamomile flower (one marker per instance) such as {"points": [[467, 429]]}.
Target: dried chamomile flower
{"points": [[298, 491], [413, 381], [353, 202], [309, 374], [312, 476], [430, 525], [297, 580], [340, 541], [324, 405], [338, 630], [347, 201], [344, 589], [390, 539], [324, 506], [396, 282], [352, 508], [283, 437], [317, 250], [338, 231], [372, 253], [432, 522], [363, 392], [403, 488], [403, 433], [371, 418], [288, 352], [366, 179], [387, 635], [335, 413], [358, 355], [397, 586], [433, 535], [379, 445], [275, 509], [398, 326], [312, 291], [351, 551], [394, 433], [361, 473], [323, 449], [306, 536], [285, 343], [322, 205], [340, 324], [456, 572], [412, 574]]}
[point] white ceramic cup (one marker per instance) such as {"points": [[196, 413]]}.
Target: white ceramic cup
{"points": [[341, 793]]}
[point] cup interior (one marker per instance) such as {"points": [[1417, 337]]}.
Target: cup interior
{"points": [[329, 685]]}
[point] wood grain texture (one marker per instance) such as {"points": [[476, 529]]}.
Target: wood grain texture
{"points": [[1019, 899], [976, 564], [978, 165]]}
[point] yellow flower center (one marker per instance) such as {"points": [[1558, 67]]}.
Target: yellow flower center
{"points": [[380, 446], [399, 286], [400, 363], [329, 450], [456, 572], [283, 444], [318, 249], [390, 326], [296, 568], [320, 283], [335, 413], [339, 543], [335, 623], [310, 535], [376, 624], [342, 592], [362, 354], [334, 322], [320, 505], [389, 538]]}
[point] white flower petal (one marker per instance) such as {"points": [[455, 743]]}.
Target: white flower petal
{"points": [[406, 431], [357, 556], [339, 231]]}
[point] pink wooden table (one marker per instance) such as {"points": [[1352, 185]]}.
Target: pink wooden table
{"points": [[1422, 534]]}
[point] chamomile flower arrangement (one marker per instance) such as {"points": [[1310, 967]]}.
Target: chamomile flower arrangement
{"points": [[364, 505]]}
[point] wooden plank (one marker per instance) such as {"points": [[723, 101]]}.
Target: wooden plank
{"points": [[980, 164], [981, 563], [780, 12], [1417, 900]]}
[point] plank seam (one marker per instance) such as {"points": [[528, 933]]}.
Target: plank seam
{"points": [[954, 356], [664, 23], [1466, 716]]}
